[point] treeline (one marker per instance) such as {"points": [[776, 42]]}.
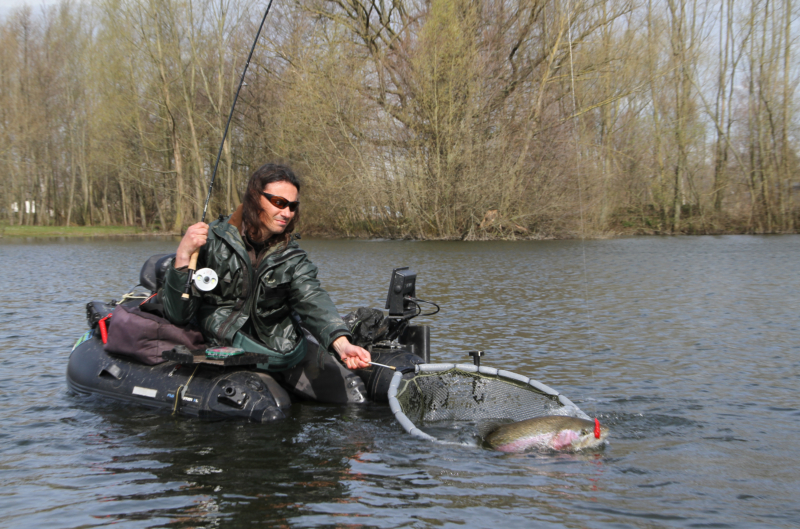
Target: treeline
{"points": [[433, 119]]}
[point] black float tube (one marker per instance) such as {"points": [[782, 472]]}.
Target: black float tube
{"points": [[193, 259]]}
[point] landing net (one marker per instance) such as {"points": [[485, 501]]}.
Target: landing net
{"points": [[446, 394]]}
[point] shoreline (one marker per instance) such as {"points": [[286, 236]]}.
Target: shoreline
{"points": [[100, 232], [62, 232]]}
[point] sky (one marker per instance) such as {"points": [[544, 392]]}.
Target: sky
{"points": [[7, 5]]}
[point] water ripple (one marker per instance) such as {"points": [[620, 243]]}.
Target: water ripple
{"points": [[687, 348]]}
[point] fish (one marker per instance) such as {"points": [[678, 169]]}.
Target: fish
{"points": [[553, 432]]}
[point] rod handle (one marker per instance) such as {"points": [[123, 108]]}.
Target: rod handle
{"points": [[190, 277]]}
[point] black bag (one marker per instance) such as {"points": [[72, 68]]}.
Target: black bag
{"points": [[367, 326], [96, 311], [141, 331]]}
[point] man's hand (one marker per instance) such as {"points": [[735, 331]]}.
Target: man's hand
{"points": [[195, 237], [353, 356]]}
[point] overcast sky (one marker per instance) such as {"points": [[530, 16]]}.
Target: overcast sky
{"points": [[8, 5]]}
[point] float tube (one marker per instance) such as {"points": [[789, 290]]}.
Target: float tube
{"points": [[212, 389]]}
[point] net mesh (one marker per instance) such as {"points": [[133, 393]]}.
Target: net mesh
{"points": [[456, 395], [429, 399]]}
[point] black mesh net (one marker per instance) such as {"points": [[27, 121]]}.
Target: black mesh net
{"points": [[478, 398]]}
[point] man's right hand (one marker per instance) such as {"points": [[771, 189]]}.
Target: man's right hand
{"points": [[194, 238]]}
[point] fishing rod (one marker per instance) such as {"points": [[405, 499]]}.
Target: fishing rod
{"points": [[193, 258]]}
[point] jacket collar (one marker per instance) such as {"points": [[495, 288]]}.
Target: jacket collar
{"points": [[236, 218]]}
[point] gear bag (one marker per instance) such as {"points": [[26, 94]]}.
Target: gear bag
{"points": [[142, 332], [367, 325]]}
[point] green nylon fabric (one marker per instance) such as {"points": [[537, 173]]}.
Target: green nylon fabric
{"points": [[277, 361]]}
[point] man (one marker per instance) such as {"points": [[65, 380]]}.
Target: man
{"points": [[267, 289]]}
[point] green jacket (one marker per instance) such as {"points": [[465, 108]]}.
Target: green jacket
{"points": [[260, 301]]}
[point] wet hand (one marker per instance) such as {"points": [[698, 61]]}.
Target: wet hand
{"points": [[353, 356], [194, 238]]}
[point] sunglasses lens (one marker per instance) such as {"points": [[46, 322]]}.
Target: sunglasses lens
{"points": [[281, 203]]}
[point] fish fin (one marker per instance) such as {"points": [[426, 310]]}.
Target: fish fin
{"points": [[564, 439]]}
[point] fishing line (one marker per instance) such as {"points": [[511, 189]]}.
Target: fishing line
{"points": [[587, 305], [233, 106], [193, 259]]}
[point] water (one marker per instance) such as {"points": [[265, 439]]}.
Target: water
{"points": [[687, 348]]}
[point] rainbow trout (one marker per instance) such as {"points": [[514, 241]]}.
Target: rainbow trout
{"points": [[553, 432]]}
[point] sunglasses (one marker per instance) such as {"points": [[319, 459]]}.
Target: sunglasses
{"points": [[282, 203]]}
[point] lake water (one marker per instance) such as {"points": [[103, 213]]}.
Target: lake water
{"points": [[688, 348]]}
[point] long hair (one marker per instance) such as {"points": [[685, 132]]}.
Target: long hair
{"points": [[251, 205]]}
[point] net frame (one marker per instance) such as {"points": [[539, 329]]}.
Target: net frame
{"points": [[436, 406]]}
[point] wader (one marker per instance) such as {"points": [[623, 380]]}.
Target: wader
{"points": [[334, 384]]}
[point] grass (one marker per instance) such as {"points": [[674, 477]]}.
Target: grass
{"points": [[73, 231]]}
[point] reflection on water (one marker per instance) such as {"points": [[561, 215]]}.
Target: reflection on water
{"points": [[687, 348]]}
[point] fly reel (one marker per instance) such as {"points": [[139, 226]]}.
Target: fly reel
{"points": [[205, 279]]}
